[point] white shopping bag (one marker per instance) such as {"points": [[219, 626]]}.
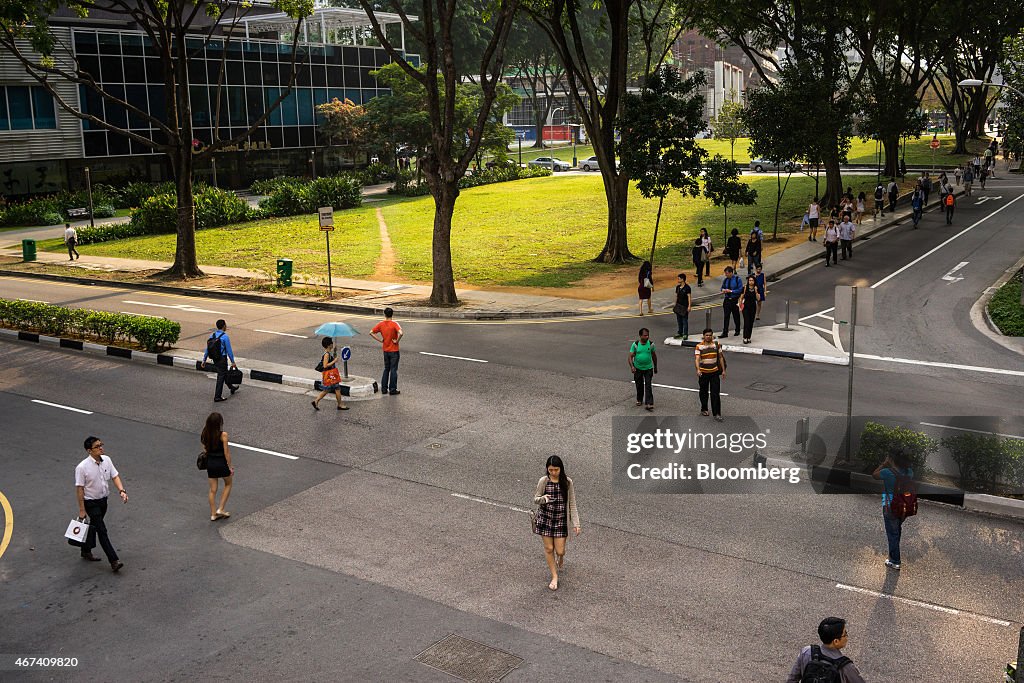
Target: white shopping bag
{"points": [[77, 531]]}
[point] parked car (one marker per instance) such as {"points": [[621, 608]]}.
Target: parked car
{"points": [[761, 165], [590, 164], [494, 163], [545, 162]]}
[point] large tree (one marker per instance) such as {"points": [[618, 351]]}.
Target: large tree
{"points": [[26, 34], [436, 33], [534, 65], [592, 40], [769, 118]]}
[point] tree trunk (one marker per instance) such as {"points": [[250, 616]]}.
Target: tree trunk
{"points": [[778, 201], [443, 292], [960, 132], [538, 129], [833, 179], [725, 226], [185, 264], [657, 222], [891, 169], [616, 189]]}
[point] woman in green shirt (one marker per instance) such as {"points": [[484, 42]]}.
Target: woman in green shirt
{"points": [[643, 363]]}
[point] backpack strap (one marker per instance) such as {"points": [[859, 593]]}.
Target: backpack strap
{"points": [[816, 655]]}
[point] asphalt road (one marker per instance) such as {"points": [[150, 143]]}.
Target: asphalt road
{"points": [[399, 524]]}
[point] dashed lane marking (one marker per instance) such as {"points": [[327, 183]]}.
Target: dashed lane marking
{"points": [[283, 334], [62, 407], [263, 450], [488, 502], [925, 605], [442, 355], [669, 386], [937, 364], [187, 308]]}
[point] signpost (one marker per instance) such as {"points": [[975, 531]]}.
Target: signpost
{"points": [[346, 353], [854, 306], [327, 226]]}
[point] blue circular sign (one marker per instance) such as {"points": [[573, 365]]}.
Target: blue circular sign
{"points": [[346, 353]]}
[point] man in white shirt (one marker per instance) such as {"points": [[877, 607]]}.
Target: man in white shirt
{"points": [[91, 488], [831, 244], [847, 229], [71, 241]]}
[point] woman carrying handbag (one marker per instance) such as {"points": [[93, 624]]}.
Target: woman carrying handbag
{"points": [[218, 463], [556, 497], [331, 378]]}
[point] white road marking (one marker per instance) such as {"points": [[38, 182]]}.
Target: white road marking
{"points": [[976, 431], [141, 315], [488, 502], [950, 277], [926, 605], [262, 450], [989, 198], [936, 364], [669, 386], [181, 307], [940, 246], [57, 405], [441, 355], [34, 301], [816, 328], [283, 334], [819, 313]]}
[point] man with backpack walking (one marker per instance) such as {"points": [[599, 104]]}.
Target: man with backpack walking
{"points": [[218, 351], [732, 288], [826, 663], [894, 194], [917, 205], [879, 200], [950, 203], [926, 188], [899, 500]]}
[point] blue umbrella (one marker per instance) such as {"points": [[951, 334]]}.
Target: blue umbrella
{"points": [[336, 330]]}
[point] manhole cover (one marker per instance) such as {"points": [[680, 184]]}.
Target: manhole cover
{"points": [[764, 386], [469, 660]]}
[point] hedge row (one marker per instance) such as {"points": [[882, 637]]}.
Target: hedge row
{"points": [[58, 321], [986, 462], [293, 197], [53, 209], [403, 182], [1005, 308]]}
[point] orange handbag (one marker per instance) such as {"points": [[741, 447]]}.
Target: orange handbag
{"points": [[331, 377]]}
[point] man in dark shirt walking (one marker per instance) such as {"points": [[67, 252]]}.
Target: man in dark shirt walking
{"points": [[826, 658], [218, 350], [732, 288], [684, 302]]}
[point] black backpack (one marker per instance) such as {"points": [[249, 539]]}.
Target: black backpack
{"points": [[213, 348], [822, 669], [879, 193]]}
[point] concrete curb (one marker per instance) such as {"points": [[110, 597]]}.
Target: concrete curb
{"points": [[1010, 508], [356, 387], [979, 311], [302, 303], [751, 350]]}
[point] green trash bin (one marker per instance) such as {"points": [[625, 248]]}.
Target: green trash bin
{"points": [[28, 250], [284, 271]]}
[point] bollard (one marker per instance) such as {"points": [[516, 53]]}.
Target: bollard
{"points": [[786, 327], [707, 318]]}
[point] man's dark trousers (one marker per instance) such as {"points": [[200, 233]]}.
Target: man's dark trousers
{"points": [[949, 215], [847, 248], [644, 391], [389, 380], [683, 324], [731, 307], [831, 252], [95, 510], [892, 201], [222, 375], [710, 382]]}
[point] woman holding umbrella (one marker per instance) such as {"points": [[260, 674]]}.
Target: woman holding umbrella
{"points": [[331, 377]]}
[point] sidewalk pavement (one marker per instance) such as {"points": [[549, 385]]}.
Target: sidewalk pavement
{"points": [[801, 343], [371, 297]]}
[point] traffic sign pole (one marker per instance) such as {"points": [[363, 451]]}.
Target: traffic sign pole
{"points": [[330, 285], [326, 215]]}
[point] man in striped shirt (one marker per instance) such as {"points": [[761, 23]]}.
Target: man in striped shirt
{"points": [[709, 360]]}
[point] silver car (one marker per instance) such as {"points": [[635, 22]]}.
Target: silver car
{"points": [[546, 162], [762, 165]]}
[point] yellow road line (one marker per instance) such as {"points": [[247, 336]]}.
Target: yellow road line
{"points": [[8, 523]]}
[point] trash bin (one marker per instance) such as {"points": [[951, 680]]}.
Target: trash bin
{"points": [[28, 250], [284, 271]]}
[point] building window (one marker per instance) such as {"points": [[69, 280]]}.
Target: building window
{"points": [[25, 107]]}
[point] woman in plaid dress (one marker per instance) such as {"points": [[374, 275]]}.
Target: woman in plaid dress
{"points": [[556, 497]]}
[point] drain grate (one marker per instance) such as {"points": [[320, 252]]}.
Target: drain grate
{"points": [[764, 386], [469, 660]]}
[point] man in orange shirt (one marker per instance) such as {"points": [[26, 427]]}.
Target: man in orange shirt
{"points": [[388, 332]]}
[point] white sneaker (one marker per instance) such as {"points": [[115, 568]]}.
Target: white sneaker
{"points": [[892, 565]]}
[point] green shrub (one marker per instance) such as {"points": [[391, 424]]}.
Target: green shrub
{"points": [[268, 185], [878, 441], [1005, 309], [156, 214], [103, 211], [151, 333], [403, 182], [133, 194], [339, 192], [105, 233], [286, 200], [377, 173], [985, 460], [51, 218], [159, 214]]}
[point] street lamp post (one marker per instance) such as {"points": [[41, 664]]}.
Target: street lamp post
{"points": [[552, 124], [88, 188]]}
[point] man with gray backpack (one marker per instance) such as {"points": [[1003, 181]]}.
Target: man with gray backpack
{"points": [[826, 663]]}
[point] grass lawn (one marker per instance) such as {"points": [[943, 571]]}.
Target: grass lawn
{"points": [[527, 233], [355, 245], [861, 151], [1006, 310]]}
